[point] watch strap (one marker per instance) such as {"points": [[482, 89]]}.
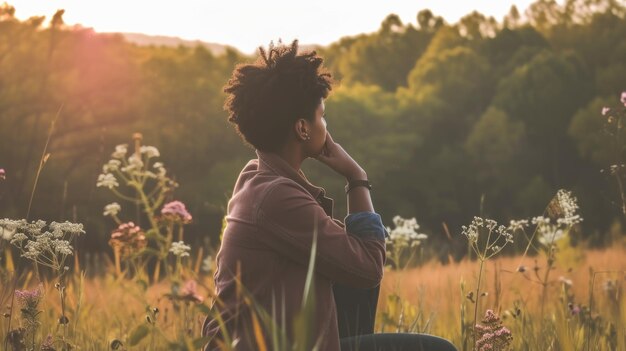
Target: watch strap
{"points": [[354, 183]]}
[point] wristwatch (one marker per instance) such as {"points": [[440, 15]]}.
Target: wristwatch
{"points": [[354, 183]]}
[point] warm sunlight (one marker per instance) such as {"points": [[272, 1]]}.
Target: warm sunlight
{"points": [[247, 24]]}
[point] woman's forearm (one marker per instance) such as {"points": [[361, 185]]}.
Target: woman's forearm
{"points": [[359, 198]]}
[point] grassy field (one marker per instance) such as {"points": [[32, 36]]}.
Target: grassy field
{"points": [[434, 302], [427, 299]]}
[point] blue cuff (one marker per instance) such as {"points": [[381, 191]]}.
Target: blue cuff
{"points": [[366, 225]]}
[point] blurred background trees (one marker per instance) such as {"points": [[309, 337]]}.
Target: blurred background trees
{"points": [[439, 114]]}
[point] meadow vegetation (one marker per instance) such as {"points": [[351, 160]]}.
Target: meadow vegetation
{"points": [[496, 149]]}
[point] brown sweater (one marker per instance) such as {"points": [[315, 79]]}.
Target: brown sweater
{"points": [[271, 218]]}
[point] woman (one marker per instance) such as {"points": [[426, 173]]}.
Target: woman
{"points": [[277, 106]]}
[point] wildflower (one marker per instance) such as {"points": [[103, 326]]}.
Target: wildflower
{"points": [[29, 301], [177, 211], [180, 249], [112, 165], [107, 180], [48, 344], [623, 98], [574, 309], [190, 292], [112, 209], [207, 264], [540, 220], [565, 281], [66, 227], [150, 151], [8, 227], [128, 239], [492, 335], [134, 164], [567, 202], [120, 151], [605, 110], [2, 174], [405, 233], [518, 225], [550, 234]]}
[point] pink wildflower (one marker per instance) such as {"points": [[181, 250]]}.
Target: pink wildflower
{"points": [[574, 309], [623, 98], [177, 210], [128, 239], [605, 110], [2, 174], [190, 292], [492, 335]]}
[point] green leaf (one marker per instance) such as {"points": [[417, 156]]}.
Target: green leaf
{"points": [[138, 334]]}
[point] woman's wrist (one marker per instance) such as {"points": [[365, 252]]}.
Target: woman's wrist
{"points": [[358, 174]]}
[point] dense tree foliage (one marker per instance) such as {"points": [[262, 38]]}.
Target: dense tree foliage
{"points": [[441, 115]]}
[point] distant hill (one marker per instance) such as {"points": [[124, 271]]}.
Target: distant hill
{"points": [[161, 40], [216, 49]]}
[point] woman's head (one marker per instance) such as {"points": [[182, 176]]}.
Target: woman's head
{"points": [[267, 98]]}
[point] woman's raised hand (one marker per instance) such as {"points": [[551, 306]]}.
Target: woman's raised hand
{"points": [[335, 157]]}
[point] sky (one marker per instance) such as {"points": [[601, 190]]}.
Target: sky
{"points": [[247, 24]]}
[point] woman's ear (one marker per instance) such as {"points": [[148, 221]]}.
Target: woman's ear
{"points": [[302, 129]]}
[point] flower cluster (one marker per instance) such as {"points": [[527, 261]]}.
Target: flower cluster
{"points": [[562, 211], [405, 233], [179, 249], [128, 239], [176, 211], [134, 167], [47, 247], [492, 335], [497, 237], [8, 227], [112, 209], [29, 301]]}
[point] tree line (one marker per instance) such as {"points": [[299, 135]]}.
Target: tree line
{"points": [[480, 117]]}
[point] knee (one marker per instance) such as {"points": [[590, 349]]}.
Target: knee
{"points": [[445, 345]]}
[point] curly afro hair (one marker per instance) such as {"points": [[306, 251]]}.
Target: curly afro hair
{"points": [[267, 97]]}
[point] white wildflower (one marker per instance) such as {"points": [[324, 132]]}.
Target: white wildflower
{"points": [[549, 234], [134, 162], [8, 228], [567, 203], [120, 151], [112, 209], [68, 227], [112, 165], [405, 233], [18, 238], [62, 246], [207, 264], [518, 224], [565, 281], [540, 220], [158, 165], [107, 180], [150, 151], [180, 249]]}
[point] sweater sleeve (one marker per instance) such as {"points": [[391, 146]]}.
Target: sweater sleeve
{"points": [[290, 215]]}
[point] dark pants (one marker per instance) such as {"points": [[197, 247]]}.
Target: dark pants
{"points": [[356, 314]]}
